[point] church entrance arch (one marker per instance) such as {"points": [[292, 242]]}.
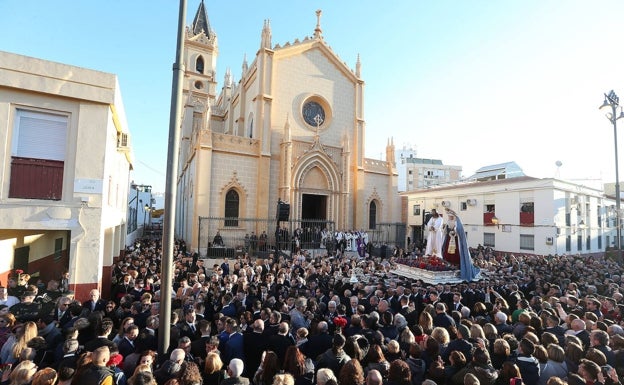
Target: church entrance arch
{"points": [[316, 189]]}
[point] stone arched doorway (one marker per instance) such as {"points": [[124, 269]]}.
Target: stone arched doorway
{"points": [[315, 193]]}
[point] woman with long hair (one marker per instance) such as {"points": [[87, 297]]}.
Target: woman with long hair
{"points": [[213, 372], [268, 368], [399, 373], [508, 371], [190, 374], [351, 373], [376, 360], [295, 363], [28, 332]]}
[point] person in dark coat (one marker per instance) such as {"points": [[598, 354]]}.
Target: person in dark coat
{"points": [[460, 344], [70, 358], [527, 363], [442, 319], [171, 368], [599, 339], [103, 330], [198, 347], [334, 358], [95, 303], [317, 344], [481, 367], [281, 341], [97, 373], [126, 346], [234, 344], [61, 312], [254, 344]]}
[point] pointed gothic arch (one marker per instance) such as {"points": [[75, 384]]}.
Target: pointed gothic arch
{"points": [[233, 202], [372, 214], [232, 207], [374, 210], [199, 64], [315, 174]]}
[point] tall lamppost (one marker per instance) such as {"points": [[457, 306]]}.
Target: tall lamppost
{"points": [[613, 101]]}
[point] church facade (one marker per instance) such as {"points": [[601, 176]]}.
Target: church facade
{"points": [[291, 130]]}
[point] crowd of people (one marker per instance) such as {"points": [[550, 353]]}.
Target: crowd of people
{"points": [[327, 319]]}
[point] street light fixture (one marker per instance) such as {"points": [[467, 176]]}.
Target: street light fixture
{"points": [[613, 101]]}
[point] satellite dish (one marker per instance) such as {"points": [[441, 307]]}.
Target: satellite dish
{"points": [[558, 163]]}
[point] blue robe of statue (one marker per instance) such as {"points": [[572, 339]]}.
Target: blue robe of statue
{"points": [[468, 270]]}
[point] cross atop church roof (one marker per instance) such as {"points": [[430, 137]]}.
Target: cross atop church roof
{"points": [[318, 32]]}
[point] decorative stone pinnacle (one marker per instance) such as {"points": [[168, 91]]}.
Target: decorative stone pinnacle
{"points": [[318, 32]]}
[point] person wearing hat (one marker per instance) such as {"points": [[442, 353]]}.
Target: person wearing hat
{"points": [[460, 344], [27, 310]]}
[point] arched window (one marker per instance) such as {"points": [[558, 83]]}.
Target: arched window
{"points": [[372, 215], [232, 203], [250, 133], [199, 65]]}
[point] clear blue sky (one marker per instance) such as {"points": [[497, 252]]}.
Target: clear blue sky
{"points": [[470, 82]]}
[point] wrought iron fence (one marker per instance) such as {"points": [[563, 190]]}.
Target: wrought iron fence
{"points": [[238, 235], [261, 235]]}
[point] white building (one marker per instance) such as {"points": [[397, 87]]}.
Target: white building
{"points": [[65, 171], [522, 215]]}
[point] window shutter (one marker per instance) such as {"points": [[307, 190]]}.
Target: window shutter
{"points": [[41, 135]]}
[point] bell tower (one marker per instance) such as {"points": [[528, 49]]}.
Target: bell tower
{"points": [[200, 58]]}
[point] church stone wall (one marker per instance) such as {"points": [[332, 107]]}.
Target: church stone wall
{"points": [[223, 175], [301, 76]]}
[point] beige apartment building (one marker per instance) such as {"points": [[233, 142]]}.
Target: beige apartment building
{"points": [[291, 129], [65, 167]]}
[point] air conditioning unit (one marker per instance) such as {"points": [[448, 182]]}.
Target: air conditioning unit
{"points": [[123, 141], [471, 202], [549, 240], [446, 204]]}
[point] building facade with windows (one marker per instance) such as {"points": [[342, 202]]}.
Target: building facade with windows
{"points": [[292, 129], [65, 171], [522, 215]]}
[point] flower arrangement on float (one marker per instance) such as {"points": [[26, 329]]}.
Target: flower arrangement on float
{"points": [[431, 263]]}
